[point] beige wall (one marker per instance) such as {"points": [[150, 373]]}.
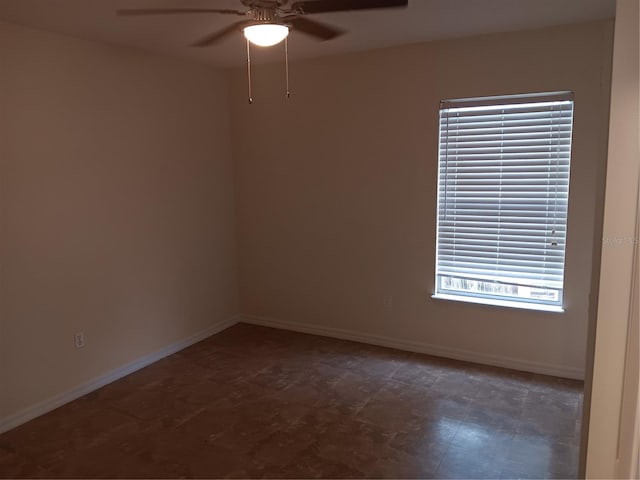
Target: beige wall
{"points": [[116, 209], [613, 392], [336, 190]]}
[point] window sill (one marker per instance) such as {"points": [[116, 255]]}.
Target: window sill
{"points": [[499, 303]]}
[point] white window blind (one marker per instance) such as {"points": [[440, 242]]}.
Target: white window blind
{"points": [[502, 197]]}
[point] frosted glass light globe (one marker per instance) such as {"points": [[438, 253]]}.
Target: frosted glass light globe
{"points": [[266, 34]]}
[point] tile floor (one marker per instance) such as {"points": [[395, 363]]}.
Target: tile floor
{"points": [[258, 402]]}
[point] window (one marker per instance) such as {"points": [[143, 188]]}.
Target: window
{"points": [[502, 199]]}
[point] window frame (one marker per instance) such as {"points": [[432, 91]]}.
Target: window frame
{"points": [[444, 293]]}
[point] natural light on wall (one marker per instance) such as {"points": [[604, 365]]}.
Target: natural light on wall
{"points": [[503, 192]]}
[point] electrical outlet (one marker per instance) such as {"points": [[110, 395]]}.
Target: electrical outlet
{"points": [[387, 301], [79, 339]]}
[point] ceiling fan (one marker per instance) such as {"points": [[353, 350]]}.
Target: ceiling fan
{"points": [[268, 22]]}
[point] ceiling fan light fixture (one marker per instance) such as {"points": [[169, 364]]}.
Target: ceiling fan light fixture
{"points": [[266, 34]]}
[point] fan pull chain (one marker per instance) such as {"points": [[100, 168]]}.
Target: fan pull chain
{"points": [[249, 73], [286, 66]]}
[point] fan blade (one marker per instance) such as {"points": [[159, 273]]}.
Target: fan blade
{"points": [[220, 34], [174, 11], [313, 28], [324, 6]]}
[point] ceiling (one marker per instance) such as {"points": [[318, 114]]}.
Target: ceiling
{"points": [[423, 20]]}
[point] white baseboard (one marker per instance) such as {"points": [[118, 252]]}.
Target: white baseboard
{"points": [[52, 403], [419, 347]]}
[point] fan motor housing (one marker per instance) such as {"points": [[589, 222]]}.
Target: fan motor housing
{"points": [[262, 4]]}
